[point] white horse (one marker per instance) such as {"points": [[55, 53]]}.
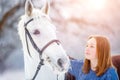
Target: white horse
{"points": [[40, 45]]}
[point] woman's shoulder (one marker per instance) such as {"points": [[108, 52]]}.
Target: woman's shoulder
{"points": [[111, 70], [111, 73]]}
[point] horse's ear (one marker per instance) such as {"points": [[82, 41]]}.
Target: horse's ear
{"points": [[45, 8], [28, 7]]}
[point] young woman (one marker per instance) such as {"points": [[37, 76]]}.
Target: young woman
{"points": [[97, 64]]}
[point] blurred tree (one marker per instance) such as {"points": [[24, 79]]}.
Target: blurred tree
{"points": [[9, 40]]}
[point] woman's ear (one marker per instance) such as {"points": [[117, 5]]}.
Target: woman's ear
{"points": [[28, 7]]}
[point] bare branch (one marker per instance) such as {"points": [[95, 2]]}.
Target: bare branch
{"points": [[8, 14]]}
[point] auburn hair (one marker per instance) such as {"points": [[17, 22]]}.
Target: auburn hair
{"points": [[103, 55]]}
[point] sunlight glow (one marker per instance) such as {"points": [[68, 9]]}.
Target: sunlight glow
{"points": [[96, 4]]}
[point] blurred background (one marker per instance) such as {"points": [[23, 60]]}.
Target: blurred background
{"points": [[75, 20]]}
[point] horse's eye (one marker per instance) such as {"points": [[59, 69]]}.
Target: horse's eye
{"points": [[58, 43], [36, 32]]}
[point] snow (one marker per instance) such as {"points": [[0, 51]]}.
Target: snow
{"points": [[12, 75]]}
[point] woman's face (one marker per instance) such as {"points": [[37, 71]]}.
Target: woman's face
{"points": [[90, 50]]}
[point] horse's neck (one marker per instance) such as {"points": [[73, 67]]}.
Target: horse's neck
{"points": [[45, 73], [31, 63]]}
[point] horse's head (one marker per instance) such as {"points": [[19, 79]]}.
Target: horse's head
{"points": [[43, 33]]}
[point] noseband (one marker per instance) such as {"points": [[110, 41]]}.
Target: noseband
{"points": [[40, 51]]}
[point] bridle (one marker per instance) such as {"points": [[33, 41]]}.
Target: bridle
{"points": [[40, 51]]}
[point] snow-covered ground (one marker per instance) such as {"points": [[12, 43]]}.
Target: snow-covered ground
{"points": [[12, 75]]}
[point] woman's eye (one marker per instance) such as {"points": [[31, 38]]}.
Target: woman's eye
{"points": [[36, 32], [86, 45], [92, 46]]}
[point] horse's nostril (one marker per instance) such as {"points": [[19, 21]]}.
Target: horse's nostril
{"points": [[60, 62]]}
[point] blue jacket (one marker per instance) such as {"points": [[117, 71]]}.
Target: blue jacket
{"points": [[76, 70]]}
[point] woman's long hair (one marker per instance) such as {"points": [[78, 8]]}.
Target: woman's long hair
{"points": [[103, 55]]}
